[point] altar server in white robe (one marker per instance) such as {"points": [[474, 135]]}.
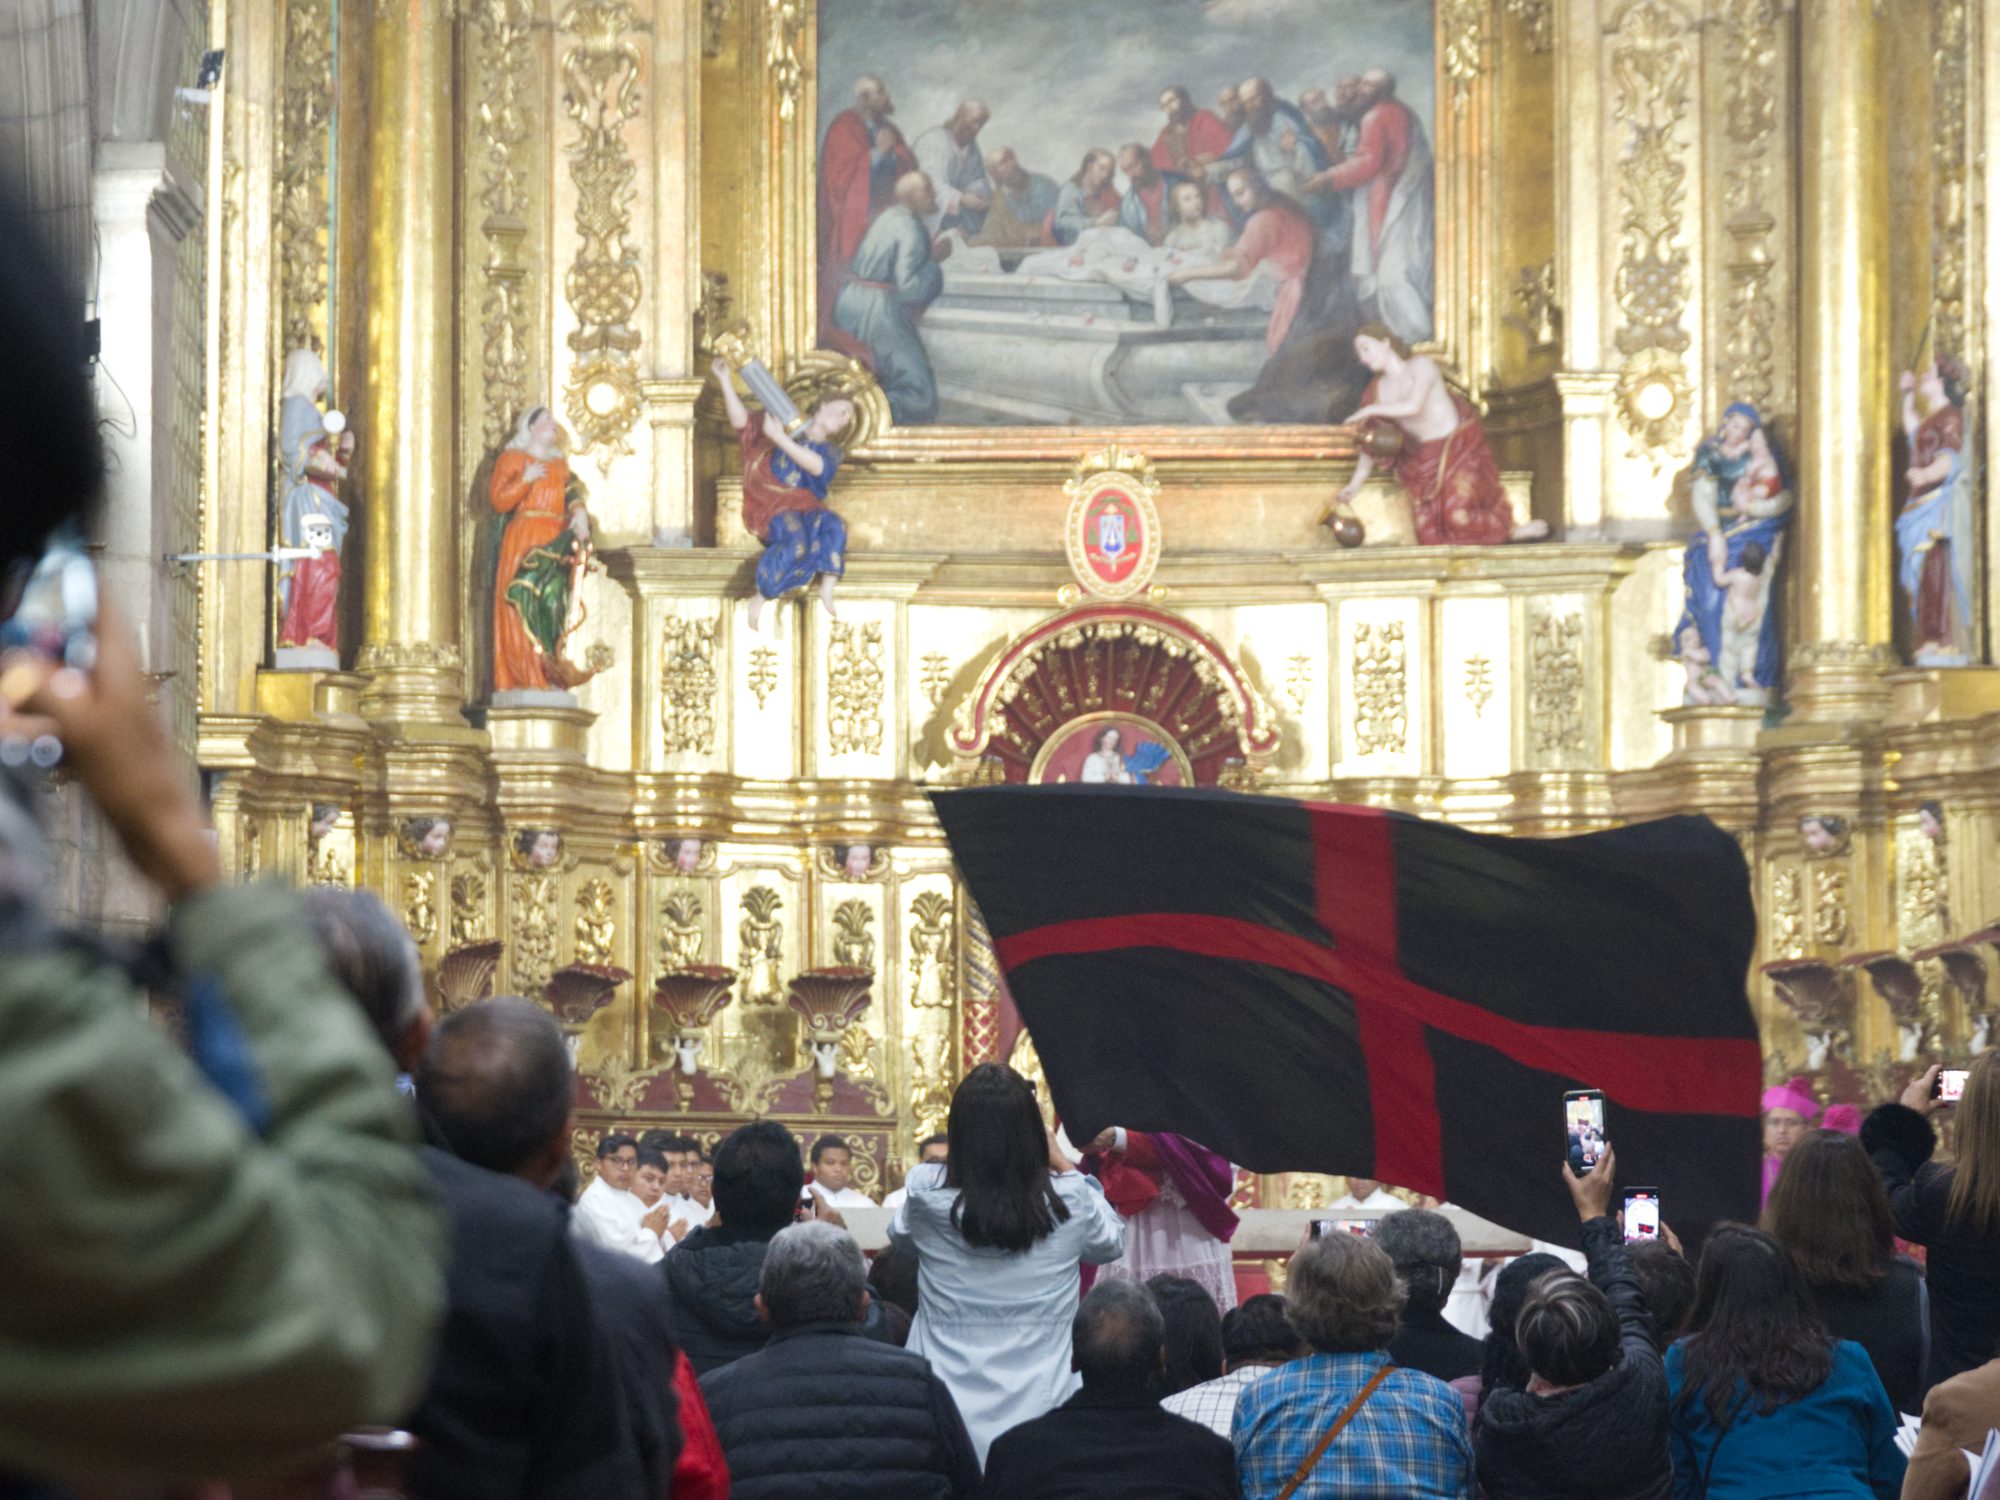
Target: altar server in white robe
{"points": [[610, 1214], [895, 277], [1000, 1229], [949, 154]]}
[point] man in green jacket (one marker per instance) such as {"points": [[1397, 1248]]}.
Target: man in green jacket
{"points": [[183, 1293]]}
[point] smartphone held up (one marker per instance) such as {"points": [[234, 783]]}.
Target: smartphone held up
{"points": [[1642, 1214], [1583, 1120], [1949, 1085]]}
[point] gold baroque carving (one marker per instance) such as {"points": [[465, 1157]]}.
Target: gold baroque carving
{"points": [[785, 56], [1478, 683], [1462, 40], [1652, 61], [468, 907], [935, 677], [854, 683], [681, 935], [1299, 681], [714, 19], [420, 905], [762, 937], [306, 109], [1951, 183], [1538, 22], [533, 920], [601, 93], [763, 674], [596, 923], [687, 686], [1555, 693], [1788, 913], [1381, 698], [1830, 925], [1540, 315], [853, 943], [1750, 40], [930, 951], [506, 30]]}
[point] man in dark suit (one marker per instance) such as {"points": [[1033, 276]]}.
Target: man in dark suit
{"points": [[1111, 1440]]}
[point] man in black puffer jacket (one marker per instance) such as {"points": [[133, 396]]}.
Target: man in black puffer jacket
{"points": [[1592, 1424], [712, 1274], [824, 1410]]}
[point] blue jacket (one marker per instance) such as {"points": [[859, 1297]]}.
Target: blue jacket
{"points": [[1838, 1441]]}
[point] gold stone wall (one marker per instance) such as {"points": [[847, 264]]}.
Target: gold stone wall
{"points": [[1647, 209]]}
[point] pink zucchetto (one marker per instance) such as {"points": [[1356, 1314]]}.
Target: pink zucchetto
{"points": [[1846, 1118], [1794, 1096]]}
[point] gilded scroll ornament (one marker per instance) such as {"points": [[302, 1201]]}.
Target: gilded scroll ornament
{"points": [[1478, 683], [1540, 317], [1652, 61], [505, 53], [1830, 924], [532, 953], [929, 937], [854, 683], [687, 686], [1538, 22], [761, 938], [420, 905], [931, 1084], [853, 943], [1381, 696], [468, 907], [1462, 43], [601, 92], [596, 923], [306, 108], [785, 55], [1555, 684], [982, 990], [681, 935], [1750, 38]]}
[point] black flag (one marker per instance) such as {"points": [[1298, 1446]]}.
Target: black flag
{"points": [[1315, 988]]}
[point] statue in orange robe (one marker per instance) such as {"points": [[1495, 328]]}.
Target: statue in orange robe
{"points": [[545, 541]]}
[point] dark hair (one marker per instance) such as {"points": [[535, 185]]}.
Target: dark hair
{"points": [[667, 1141], [1828, 1208], [48, 416], [933, 1140], [568, 1185], [1752, 557], [613, 1143], [1502, 1368], [1756, 1340], [1425, 1249], [1088, 157], [1117, 1337], [828, 1143], [1666, 1281], [370, 953], [1259, 1329], [757, 1177], [893, 1277], [648, 1157], [1567, 1331], [999, 1162], [496, 1083], [1193, 1331]]}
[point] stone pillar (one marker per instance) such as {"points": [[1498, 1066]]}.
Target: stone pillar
{"points": [[1843, 556], [410, 601]]}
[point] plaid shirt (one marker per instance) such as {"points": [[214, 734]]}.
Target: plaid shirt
{"points": [[1408, 1441], [1213, 1402]]}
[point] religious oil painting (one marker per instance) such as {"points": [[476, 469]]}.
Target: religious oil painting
{"points": [[1112, 750], [1089, 212]]}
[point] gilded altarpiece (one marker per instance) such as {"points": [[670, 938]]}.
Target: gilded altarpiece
{"points": [[713, 859]]}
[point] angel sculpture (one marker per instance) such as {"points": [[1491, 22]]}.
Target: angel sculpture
{"points": [[1811, 989], [1106, 765], [1902, 990]]}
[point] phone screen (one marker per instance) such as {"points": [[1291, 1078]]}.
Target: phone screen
{"points": [[1321, 1228], [1583, 1118], [1642, 1214], [57, 610], [1950, 1085]]}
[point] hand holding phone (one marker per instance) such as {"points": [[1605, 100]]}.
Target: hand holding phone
{"points": [[1583, 1122], [1592, 1192], [1642, 1215], [1949, 1085]]}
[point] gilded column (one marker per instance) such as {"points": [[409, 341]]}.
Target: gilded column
{"points": [[1845, 383], [410, 618]]}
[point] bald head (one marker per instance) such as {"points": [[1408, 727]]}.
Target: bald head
{"points": [[496, 1082], [871, 95], [914, 192], [1378, 84]]}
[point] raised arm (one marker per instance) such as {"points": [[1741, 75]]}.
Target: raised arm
{"points": [[799, 453], [725, 376]]}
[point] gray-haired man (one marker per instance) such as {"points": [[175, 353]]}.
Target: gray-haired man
{"points": [[820, 1408]]}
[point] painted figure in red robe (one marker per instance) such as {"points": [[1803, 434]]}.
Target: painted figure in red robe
{"points": [[1438, 452], [859, 161]]}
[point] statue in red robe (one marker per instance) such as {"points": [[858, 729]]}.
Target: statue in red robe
{"points": [[310, 604]]}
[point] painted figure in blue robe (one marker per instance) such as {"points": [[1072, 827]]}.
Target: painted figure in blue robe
{"points": [[786, 476], [1936, 529], [1729, 638], [893, 279]]}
